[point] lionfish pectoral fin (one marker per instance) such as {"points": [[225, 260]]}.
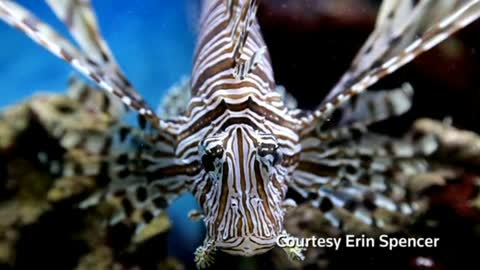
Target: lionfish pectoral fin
{"points": [[110, 81], [205, 254], [355, 208], [393, 44], [376, 106], [138, 193], [81, 21], [397, 23], [362, 180], [148, 218], [364, 110], [134, 204]]}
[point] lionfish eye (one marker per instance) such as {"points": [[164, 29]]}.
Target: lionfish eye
{"points": [[209, 157], [270, 151]]}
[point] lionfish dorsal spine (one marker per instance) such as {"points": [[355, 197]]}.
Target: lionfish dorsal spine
{"points": [[230, 40], [87, 63], [402, 47]]}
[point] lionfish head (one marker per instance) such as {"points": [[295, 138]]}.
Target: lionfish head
{"points": [[243, 190]]}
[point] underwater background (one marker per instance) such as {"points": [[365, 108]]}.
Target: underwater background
{"points": [[312, 44]]}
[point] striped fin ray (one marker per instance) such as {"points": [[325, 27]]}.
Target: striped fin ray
{"points": [[361, 179], [349, 205], [136, 203], [244, 68], [330, 163], [364, 110], [231, 5], [242, 21], [144, 177], [81, 21], [129, 161], [20, 18], [398, 44], [397, 24]]}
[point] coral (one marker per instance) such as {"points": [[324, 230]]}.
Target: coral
{"points": [[39, 213]]}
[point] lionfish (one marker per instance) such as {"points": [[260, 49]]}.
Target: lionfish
{"points": [[239, 145]]}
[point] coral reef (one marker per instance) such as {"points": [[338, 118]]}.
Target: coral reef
{"points": [[39, 214]]}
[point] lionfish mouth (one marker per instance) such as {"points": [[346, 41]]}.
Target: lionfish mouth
{"points": [[247, 246]]}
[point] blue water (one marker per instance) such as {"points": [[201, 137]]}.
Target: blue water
{"points": [[153, 42]]}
